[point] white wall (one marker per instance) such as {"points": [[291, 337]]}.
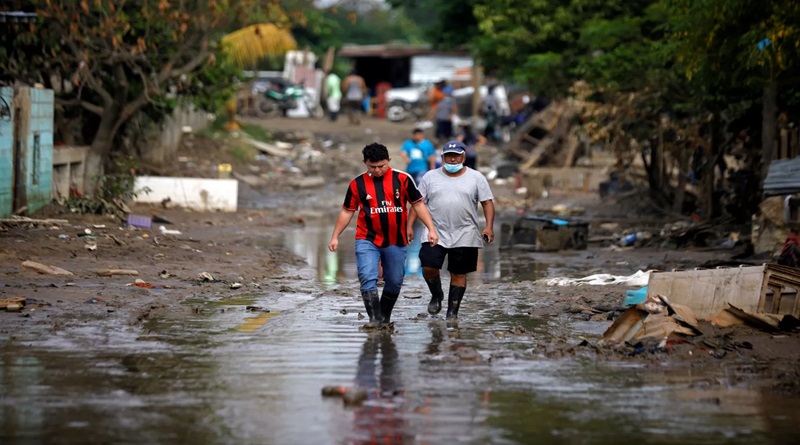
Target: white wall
{"points": [[195, 193]]}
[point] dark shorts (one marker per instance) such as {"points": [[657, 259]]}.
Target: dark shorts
{"points": [[444, 129], [460, 260]]}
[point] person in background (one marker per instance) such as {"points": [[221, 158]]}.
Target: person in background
{"points": [[452, 194], [491, 112], [354, 90], [381, 197], [436, 93], [472, 141], [420, 155], [443, 114], [333, 94]]}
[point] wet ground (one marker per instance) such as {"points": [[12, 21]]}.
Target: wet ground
{"points": [[212, 365], [211, 371]]}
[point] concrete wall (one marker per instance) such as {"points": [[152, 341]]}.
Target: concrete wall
{"points": [[193, 193], [68, 170], [6, 153], [26, 150], [37, 146]]}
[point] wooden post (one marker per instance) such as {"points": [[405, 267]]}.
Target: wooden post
{"points": [[477, 80]]}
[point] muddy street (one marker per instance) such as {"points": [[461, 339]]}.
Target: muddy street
{"points": [[204, 362]]}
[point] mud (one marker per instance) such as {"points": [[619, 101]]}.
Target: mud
{"points": [[98, 360]]}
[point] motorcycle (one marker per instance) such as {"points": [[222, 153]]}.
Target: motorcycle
{"points": [[405, 103], [280, 96]]}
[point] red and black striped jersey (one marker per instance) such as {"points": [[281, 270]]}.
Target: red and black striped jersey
{"points": [[382, 206]]}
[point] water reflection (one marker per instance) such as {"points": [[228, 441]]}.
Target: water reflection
{"points": [[311, 243], [380, 419]]}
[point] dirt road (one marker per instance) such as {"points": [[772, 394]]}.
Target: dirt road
{"points": [[241, 355]]}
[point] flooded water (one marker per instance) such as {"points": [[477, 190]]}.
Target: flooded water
{"points": [[225, 375]]}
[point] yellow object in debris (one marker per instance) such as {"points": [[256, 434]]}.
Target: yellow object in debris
{"points": [[224, 171]]}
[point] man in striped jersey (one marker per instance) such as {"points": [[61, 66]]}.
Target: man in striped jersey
{"points": [[381, 196]]}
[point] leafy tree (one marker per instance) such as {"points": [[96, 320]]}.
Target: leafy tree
{"points": [[744, 45], [445, 24], [109, 60]]}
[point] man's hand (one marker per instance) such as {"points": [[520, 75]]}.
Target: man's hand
{"points": [[333, 245], [410, 233], [488, 233], [433, 238]]}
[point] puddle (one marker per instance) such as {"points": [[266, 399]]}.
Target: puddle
{"points": [[311, 243], [229, 375]]}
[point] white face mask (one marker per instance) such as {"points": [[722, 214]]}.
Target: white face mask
{"points": [[453, 168]]}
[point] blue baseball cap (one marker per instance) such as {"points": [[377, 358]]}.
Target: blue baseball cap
{"points": [[454, 147]]}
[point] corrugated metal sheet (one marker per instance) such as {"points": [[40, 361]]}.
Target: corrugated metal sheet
{"points": [[783, 177], [431, 68]]}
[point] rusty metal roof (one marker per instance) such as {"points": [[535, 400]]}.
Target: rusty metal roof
{"points": [[391, 51]]}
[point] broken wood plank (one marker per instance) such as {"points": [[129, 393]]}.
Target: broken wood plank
{"points": [[112, 272], [6, 302], [32, 221], [44, 268]]}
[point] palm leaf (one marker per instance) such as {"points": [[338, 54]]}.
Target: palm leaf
{"points": [[250, 44]]}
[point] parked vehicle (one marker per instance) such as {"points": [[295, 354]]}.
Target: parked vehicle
{"points": [[278, 96], [407, 103]]}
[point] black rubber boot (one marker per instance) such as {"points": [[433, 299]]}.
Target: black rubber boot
{"points": [[454, 301], [388, 299], [372, 303], [437, 295]]}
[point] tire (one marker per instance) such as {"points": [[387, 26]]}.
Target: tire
{"points": [[268, 108], [396, 112]]}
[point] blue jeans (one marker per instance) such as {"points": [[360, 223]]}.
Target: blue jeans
{"points": [[393, 259]]}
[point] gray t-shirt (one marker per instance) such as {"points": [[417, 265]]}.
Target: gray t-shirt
{"points": [[453, 204]]}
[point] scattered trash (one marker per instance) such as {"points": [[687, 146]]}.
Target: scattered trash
{"points": [[165, 231], [45, 269], [12, 304], [99, 226], [95, 300], [205, 276], [627, 240], [256, 309], [633, 297], [112, 272], [161, 219], [545, 233], [143, 221], [732, 316], [164, 274], [236, 285], [656, 318], [141, 283], [640, 278], [63, 236], [91, 247]]}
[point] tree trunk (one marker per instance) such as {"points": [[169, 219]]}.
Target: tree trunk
{"points": [[98, 154], [769, 123], [683, 169]]}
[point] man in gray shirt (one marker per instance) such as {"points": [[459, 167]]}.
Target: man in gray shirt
{"points": [[452, 194]]}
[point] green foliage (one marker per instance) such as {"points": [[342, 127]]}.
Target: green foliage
{"points": [[243, 153], [257, 132], [445, 24], [113, 189]]}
